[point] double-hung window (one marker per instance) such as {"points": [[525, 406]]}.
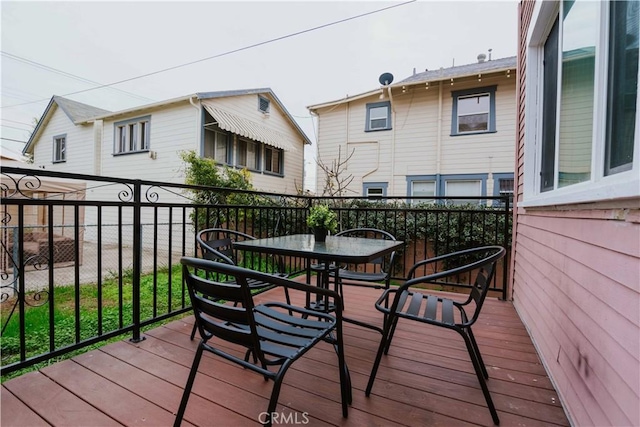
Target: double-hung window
{"points": [[474, 111], [60, 148], [273, 160], [582, 80], [247, 154], [132, 135], [216, 145], [378, 116], [422, 186]]}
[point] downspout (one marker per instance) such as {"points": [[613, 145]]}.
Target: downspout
{"points": [[439, 137], [439, 143], [198, 116], [393, 142]]}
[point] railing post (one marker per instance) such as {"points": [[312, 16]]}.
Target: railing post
{"points": [[137, 260], [505, 264]]}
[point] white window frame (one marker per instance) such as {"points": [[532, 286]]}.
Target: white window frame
{"points": [[372, 106], [59, 153], [132, 136], [599, 187], [423, 181]]}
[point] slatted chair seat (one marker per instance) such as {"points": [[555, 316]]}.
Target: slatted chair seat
{"points": [[405, 302], [273, 333]]}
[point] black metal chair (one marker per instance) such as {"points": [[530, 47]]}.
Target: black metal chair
{"points": [[377, 273], [216, 244], [268, 332], [410, 304]]}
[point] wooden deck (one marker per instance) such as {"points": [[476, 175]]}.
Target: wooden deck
{"points": [[427, 379]]}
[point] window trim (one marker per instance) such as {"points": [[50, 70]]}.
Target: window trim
{"points": [[422, 178], [366, 186], [125, 124], [600, 187], [281, 160], [268, 102], [482, 177], [372, 105], [64, 151], [496, 186], [491, 125], [258, 158]]}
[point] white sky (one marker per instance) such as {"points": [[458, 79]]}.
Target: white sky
{"points": [[107, 42]]}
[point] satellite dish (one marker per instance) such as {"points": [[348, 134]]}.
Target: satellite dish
{"points": [[385, 79]]}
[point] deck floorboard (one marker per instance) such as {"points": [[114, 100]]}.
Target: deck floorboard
{"points": [[426, 379]]}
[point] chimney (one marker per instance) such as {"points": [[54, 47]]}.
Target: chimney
{"points": [[481, 58]]}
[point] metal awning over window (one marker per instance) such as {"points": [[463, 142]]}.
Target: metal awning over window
{"points": [[250, 129]]}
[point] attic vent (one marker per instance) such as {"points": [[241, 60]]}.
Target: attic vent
{"points": [[263, 104]]}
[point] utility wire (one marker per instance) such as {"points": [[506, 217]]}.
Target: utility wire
{"points": [[229, 52], [66, 74], [14, 127], [15, 121], [14, 140]]}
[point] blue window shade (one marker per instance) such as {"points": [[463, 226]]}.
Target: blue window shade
{"points": [[378, 116], [474, 111]]}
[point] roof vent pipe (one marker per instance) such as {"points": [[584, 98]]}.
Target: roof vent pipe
{"points": [[490, 54], [481, 58]]}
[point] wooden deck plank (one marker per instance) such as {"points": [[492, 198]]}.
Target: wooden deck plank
{"points": [[16, 413], [55, 404], [426, 379]]}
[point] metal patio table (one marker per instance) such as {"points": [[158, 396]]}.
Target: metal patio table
{"points": [[334, 250]]}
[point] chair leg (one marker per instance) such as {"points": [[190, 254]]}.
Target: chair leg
{"points": [[481, 380], [393, 322], [193, 331], [477, 352], [385, 340], [345, 377], [275, 393], [189, 385]]}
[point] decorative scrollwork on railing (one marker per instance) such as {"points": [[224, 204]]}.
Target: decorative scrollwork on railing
{"points": [[151, 194], [126, 195], [21, 187], [10, 290], [6, 218]]}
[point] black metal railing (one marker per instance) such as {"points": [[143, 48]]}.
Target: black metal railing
{"points": [[86, 258]]}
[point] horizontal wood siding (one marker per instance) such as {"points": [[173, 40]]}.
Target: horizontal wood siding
{"points": [[173, 129], [411, 146], [247, 106], [79, 145], [579, 295], [576, 286], [482, 153]]}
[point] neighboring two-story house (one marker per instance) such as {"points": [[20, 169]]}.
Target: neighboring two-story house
{"points": [[446, 132], [244, 129]]}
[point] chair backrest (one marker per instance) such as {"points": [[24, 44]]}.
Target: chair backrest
{"points": [[384, 263], [216, 244], [212, 302], [479, 262]]}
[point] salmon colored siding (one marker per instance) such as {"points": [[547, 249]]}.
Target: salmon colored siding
{"points": [[576, 285]]}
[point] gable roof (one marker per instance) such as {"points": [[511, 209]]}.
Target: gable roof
{"points": [[208, 95], [80, 113], [76, 111], [492, 66]]}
